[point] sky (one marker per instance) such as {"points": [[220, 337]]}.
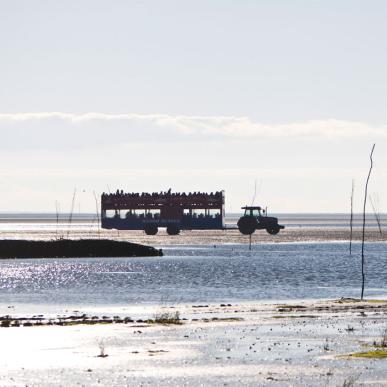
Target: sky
{"points": [[287, 96]]}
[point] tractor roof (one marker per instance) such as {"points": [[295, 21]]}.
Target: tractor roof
{"points": [[251, 208]]}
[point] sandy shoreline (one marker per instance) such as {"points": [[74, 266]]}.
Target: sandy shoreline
{"points": [[303, 343], [208, 237]]}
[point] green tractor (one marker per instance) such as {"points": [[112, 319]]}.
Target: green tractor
{"points": [[255, 218]]}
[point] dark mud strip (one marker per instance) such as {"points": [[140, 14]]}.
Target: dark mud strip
{"points": [[68, 248]]}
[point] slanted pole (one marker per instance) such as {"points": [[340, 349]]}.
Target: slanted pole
{"points": [[363, 230]]}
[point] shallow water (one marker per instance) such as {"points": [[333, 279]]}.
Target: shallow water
{"points": [[87, 222], [198, 274]]}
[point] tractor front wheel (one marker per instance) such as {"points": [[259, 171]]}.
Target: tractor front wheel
{"points": [[273, 230]]}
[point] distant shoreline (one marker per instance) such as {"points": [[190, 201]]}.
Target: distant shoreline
{"points": [[191, 238], [328, 220]]}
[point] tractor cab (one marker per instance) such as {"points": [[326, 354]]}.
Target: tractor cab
{"points": [[253, 211]]}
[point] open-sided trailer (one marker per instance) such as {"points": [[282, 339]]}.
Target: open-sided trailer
{"points": [[178, 211]]}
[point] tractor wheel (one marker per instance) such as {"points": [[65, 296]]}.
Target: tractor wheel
{"points": [[273, 230], [247, 225], [173, 230], [151, 229]]}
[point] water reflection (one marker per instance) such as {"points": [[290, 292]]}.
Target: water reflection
{"points": [[187, 274]]}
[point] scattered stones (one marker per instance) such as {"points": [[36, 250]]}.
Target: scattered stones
{"points": [[9, 321]]}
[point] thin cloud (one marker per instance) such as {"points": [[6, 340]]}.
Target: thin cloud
{"points": [[64, 130], [267, 173]]}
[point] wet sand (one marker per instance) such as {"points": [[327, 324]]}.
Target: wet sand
{"points": [[289, 235], [206, 237], [300, 343]]}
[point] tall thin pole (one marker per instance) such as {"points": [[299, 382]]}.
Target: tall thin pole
{"points": [[97, 212], [375, 208], [57, 207], [351, 220], [71, 212], [364, 217], [255, 192]]}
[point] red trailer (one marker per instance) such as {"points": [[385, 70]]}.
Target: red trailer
{"points": [[173, 210]]}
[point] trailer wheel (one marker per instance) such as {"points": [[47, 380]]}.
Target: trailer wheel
{"points": [[150, 229], [247, 225], [273, 230], [173, 230]]}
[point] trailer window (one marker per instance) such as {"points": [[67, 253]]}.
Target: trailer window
{"points": [[214, 213], [154, 214], [112, 213], [198, 213]]}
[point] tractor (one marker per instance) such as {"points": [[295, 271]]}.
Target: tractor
{"points": [[255, 218]]}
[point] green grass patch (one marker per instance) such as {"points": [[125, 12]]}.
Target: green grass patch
{"points": [[373, 354], [376, 301], [352, 300], [166, 319]]}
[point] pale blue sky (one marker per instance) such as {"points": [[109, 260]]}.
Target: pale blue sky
{"points": [[215, 94]]}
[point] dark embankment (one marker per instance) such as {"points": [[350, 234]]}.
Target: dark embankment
{"points": [[67, 248]]}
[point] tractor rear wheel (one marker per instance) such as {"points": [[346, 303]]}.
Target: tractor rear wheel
{"points": [[247, 225], [151, 229], [173, 230]]}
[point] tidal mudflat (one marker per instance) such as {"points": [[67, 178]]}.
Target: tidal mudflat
{"points": [[44, 231], [303, 343]]}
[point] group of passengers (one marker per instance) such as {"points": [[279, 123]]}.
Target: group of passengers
{"points": [[131, 214], [168, 194], [202, 216]]}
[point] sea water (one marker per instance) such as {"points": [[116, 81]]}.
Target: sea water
{"points": [[198, 274], [193, 273]]}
